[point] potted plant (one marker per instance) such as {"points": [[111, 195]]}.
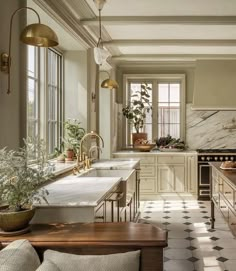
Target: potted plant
{"points": [[21, 183], [74, 133], [136, 111]]}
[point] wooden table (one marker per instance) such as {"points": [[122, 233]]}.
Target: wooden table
{"points": [[99, 238]]}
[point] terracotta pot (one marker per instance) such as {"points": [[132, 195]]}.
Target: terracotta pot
{"points": [[14, 221], [136, 136], [70, 155]]}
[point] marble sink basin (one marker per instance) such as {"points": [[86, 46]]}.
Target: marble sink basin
{"points": [[127, 184], [123, 173]]}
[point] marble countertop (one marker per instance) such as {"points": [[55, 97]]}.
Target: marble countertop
{"points": [[156, 152], [229, 174], [117, 164], [74, 191]]}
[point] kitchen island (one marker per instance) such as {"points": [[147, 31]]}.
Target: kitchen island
{"points": [[73, 199], [223, 194]]}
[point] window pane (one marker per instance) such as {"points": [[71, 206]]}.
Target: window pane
{"points": [[32, 92], [163, 130], [163, 93], [174, 115], [175, 130], [163, 115], [31, 61], [174, 93], [54, 96]]}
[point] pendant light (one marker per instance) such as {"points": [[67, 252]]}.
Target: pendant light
{"points": [[100, 54]]}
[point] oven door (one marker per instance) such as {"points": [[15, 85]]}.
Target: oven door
{"points": [[204, 177]]}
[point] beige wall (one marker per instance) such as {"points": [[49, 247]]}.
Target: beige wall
{"points": [[159, 69], [12, 107], [76, 93]]}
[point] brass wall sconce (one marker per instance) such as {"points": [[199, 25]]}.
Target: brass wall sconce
{"points": [[109, 83], [34, 34]]}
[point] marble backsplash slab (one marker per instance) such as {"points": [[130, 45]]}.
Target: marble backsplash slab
{"points": [[210, 129]]}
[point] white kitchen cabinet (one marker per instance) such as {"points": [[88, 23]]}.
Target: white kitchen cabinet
{"points": [[191, 168], [171, 178], [165, 172]]}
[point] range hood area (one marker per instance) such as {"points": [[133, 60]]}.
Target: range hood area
{"points": [[215, 85]]}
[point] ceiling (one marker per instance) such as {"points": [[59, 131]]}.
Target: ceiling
{"points": [[154, 30]]}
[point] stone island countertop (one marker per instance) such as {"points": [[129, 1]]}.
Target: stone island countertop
{"points": [[74, 191]]}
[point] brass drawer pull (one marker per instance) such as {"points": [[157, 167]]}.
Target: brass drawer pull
{"points": [[233, 224], [223, 207], [228, 192]]}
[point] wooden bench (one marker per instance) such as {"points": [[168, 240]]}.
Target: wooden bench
{"points": [[99, 238]]}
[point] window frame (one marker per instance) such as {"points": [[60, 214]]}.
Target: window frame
{"points": [[42, 92], [154, 79]]}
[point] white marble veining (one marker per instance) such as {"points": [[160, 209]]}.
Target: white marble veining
{"points": [[101, 172], [210, 129], [117, 164], [73, 191]]}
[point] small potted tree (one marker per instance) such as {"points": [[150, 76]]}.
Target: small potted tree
{"points": [[21, 183], [136, 111], [74, 133]]}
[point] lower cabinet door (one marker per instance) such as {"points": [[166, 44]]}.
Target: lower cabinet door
{"points": [[232, 222], [171, 178], [147, 185]]}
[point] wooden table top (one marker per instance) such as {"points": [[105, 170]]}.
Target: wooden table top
{"points": [[98, 234]]}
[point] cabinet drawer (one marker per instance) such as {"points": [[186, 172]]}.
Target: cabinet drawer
{"points": [[224, 208], [147, 185], [170, 160], [147, 160], [147, 171], [228, 193]]}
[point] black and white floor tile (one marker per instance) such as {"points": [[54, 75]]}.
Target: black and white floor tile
{"points": [[192, 244]]}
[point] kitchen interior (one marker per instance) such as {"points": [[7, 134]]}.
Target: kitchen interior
{"points": [[185, 53]]}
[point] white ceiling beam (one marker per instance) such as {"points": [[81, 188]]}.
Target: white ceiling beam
{"points": [[170, 57], [172, 42], [192, 20]]}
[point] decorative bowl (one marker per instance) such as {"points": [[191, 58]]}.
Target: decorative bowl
{"points": [[144, 147]]}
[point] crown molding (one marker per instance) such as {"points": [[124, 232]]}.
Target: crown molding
{"points": [[63, 13], [192, 20]]}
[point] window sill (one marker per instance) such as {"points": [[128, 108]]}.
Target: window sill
{"points": [[60, 168]]}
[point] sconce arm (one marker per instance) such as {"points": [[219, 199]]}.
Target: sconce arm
{"points": [[6, 58]]}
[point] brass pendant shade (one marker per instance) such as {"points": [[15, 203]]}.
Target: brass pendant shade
{"points": [[39, 35], [109, 83]]}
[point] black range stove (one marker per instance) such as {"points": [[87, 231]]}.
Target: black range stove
{"points": [[204, 169]]}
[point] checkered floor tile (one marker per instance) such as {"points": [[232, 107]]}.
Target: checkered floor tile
{"points": [[192, 244]]}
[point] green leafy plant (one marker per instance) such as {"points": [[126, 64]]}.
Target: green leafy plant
{"points": [[21, 182], [136, 112], [74, 133]]}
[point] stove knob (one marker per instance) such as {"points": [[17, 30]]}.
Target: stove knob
{"points": [[226, 158], [232, 158], [202, 158], [216, 158], [208, 158], [221, 158]]}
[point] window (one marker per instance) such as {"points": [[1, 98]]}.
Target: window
{"points": [[45, 96], [32, 92], [54, 99], [168, 109], [167, 97]]}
